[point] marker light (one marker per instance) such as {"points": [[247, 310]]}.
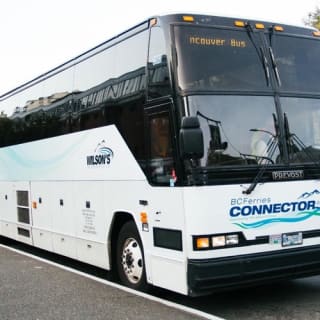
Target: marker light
{"points": [[202, 243], [143, 217], [188, 18], [259, 26], [239, 23], [278, 28], [316, 33]]}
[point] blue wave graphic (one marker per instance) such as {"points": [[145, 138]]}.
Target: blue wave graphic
{"points": [[302, 216], [105, 150], [16, 155]]}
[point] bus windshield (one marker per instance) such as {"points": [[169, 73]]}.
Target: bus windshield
{"points": [[297, 59], [219, 59], [242, 130], [232, 79], [237, 130]]}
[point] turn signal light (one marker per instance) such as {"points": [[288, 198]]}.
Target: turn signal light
{"points": [[202, 243], [143, 217]]}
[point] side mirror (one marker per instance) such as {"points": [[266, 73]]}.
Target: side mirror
{"points": [[216, 143], [191, 139]]}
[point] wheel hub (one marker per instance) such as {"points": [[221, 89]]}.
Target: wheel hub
{"points": [[132, 262]]}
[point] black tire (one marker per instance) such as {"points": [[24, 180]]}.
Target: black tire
{"points": [[130, 258]]}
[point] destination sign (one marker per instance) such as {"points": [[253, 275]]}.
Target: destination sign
{"points": [[218, 42]]}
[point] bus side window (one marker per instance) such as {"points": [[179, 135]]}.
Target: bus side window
{"points": [[161, 158], [158, 70]]}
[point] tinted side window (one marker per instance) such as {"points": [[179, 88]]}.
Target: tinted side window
{"points": [[161, 162], [129, 121], [39, 111], [78, 97], [118, 96], [158, 72], [110, 81]]}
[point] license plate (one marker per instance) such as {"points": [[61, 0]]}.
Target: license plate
{"points": [[291, 239]]}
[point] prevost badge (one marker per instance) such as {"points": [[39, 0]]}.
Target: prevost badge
{"points": [[287, 175]]}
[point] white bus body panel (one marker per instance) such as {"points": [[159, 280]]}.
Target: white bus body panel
{"points": [[168, 268], [7, 203], [43, 214], [294, 206], [9, 217], [77, 182], [97, 154], [61, 175]]}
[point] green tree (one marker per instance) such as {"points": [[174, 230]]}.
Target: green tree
{"points": [[313, 19]]}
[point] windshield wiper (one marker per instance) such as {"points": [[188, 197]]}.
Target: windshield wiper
{"points": [[265, 66], [275, 67], [260, 52], [217, 122], [294, 145], [256, 157], [271, 148]]}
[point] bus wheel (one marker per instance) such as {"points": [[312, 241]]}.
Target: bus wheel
{"points": [[130, 261]]}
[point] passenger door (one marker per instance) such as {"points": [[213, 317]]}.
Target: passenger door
{"points": [[160, 145]]}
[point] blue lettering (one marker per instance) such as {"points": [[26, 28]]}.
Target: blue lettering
{"points": [[267, 208], [311, 205], [235, 211], [285, 207], [294, 205], [302, 206], [257, 210], [277, 208], [246, 211]]}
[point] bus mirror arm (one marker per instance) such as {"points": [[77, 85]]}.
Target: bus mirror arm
{"points": [[191, 139]]}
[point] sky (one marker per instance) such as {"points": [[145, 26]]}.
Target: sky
{"points": [[38, 35]]}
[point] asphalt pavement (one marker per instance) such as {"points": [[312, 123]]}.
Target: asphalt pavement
{"points": [[34, 290]]}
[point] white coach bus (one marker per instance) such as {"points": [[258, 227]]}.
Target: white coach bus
{"points": [[183, 153]]}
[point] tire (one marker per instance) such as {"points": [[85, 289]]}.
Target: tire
{"points": [[130, 258]]}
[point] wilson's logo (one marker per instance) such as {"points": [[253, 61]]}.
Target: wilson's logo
{"points": [[102, 155]]}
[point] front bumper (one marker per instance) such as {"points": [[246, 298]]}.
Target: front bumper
{"points": [[205, 276]]}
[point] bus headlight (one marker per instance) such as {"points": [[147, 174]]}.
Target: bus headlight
{"points": [[232, 239], [218, 241]]}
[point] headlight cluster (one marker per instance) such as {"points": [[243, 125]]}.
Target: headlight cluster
{"points": [[215, 241]]}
